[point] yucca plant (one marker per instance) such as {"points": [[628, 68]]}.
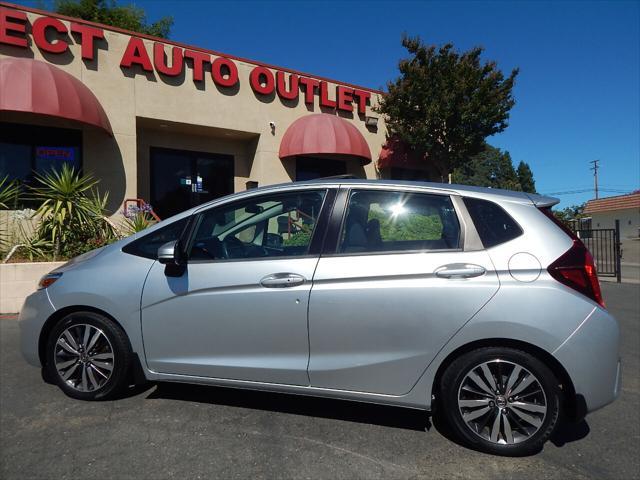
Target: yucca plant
{"points": [[71, 212], [137, 222], [9, 198], [29, 246], [9, 193]]}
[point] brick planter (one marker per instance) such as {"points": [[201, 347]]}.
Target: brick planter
{"points": [[18, 280]]}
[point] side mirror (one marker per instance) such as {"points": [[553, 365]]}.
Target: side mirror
{"points": [[169, 256], [167, 253]]}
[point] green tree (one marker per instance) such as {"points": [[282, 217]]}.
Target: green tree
{"points": [[525, 178], [569, 215], [128, 17], [489, 168], [407, 227], [445, 103]]}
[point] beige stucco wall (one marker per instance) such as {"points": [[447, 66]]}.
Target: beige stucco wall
{"points": [[130, 95], [629, 221], [19, 280]]}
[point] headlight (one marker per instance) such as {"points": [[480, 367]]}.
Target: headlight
{"points": [[48, 280]]}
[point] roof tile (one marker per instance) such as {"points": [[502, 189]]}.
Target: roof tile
{"points": [[608, 204]]}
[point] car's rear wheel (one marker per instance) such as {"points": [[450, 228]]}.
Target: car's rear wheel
{"points": [[88, 356], [501, 400]]}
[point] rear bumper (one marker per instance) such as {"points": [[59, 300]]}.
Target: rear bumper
{"points": [[35, 312], [590, 356]]}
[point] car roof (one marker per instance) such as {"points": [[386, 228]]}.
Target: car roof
{"points": [[493, 194], [488, 193]]}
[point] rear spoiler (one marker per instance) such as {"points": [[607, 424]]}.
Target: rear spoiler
{"points": [[542, 201]]}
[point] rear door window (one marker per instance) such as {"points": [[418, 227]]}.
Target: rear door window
{"points": [[493, 224], [384, 221]]}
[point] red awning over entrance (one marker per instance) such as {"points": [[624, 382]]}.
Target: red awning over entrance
{"points": [[397, 154], [33, 86], [323, 134]]}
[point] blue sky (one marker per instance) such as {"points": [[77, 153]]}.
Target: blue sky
{"points": [[578, 91]]}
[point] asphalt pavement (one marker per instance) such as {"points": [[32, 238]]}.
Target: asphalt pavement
{"points": [[183, 431]]}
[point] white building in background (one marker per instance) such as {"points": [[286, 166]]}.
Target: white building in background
{"points": [[625, 208]]}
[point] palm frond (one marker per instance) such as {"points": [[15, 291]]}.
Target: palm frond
{"points": [[9, 193]]}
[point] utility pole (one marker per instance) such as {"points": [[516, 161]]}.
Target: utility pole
{"points": [[595, 175]]}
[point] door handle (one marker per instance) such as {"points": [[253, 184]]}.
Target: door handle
{"points": [[460, 270], [282, 280]]}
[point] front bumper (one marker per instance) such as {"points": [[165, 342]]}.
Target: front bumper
{"points": [[590, 356], [36, 310]]}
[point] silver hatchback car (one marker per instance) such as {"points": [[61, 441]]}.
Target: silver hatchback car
{"points": [[470, 302]]}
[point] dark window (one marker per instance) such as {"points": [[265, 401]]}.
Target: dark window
{"points": [[267, 226], [148, 245], [182, 179], [493, 224], [395, 221], [309, 168], [29, 149]]}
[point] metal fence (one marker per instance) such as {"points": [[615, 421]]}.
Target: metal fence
{"points": [[604, 245]]}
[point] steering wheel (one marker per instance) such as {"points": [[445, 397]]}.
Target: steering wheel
{"points": [[206, 249], [258, 251], [232, 247]]}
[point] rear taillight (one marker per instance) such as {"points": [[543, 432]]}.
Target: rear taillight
{"points": [[575, 269]]}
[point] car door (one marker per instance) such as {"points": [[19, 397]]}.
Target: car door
{"points": [[399, 282], [239, 311]]}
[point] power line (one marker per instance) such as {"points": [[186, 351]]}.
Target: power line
{"points": [[584, 190], [601, 187]]}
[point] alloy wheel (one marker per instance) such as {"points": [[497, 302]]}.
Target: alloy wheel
{"points": [[502, 402], [84, 357]]}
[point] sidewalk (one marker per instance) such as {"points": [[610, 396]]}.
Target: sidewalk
{"points": [[631, 280]]}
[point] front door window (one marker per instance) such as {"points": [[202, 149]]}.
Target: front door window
{"points": [[274, 226], [183, 179]]}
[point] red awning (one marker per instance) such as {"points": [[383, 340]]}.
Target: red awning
{"points": [[324, 134], [37, 87], [396, 153]]}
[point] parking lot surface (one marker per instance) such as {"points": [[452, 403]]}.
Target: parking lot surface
{"points": [[183, 431]]}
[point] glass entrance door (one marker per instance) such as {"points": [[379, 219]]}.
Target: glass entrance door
{"points": [[182, 179], [309, 168]]}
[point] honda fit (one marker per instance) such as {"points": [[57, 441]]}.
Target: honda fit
{"points": [[469, 302]]}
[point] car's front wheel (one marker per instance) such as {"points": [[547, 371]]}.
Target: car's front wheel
{"points": [[501, 400], [88, 356]]}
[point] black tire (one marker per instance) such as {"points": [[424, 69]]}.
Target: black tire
{"points": [[116, 341], [473, 434]]}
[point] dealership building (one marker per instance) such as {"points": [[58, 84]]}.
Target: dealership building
{"points": [[172, 124]]}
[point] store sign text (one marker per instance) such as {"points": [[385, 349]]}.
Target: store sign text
{"points": [[55, 153], [51, 35]]}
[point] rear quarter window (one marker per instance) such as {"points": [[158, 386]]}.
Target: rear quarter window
{"points": [[494, 225]]}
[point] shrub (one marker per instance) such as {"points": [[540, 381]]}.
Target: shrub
{"points": [[71, 212], [137, 219], [298, 239], [9, 193], [9, 198]]}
